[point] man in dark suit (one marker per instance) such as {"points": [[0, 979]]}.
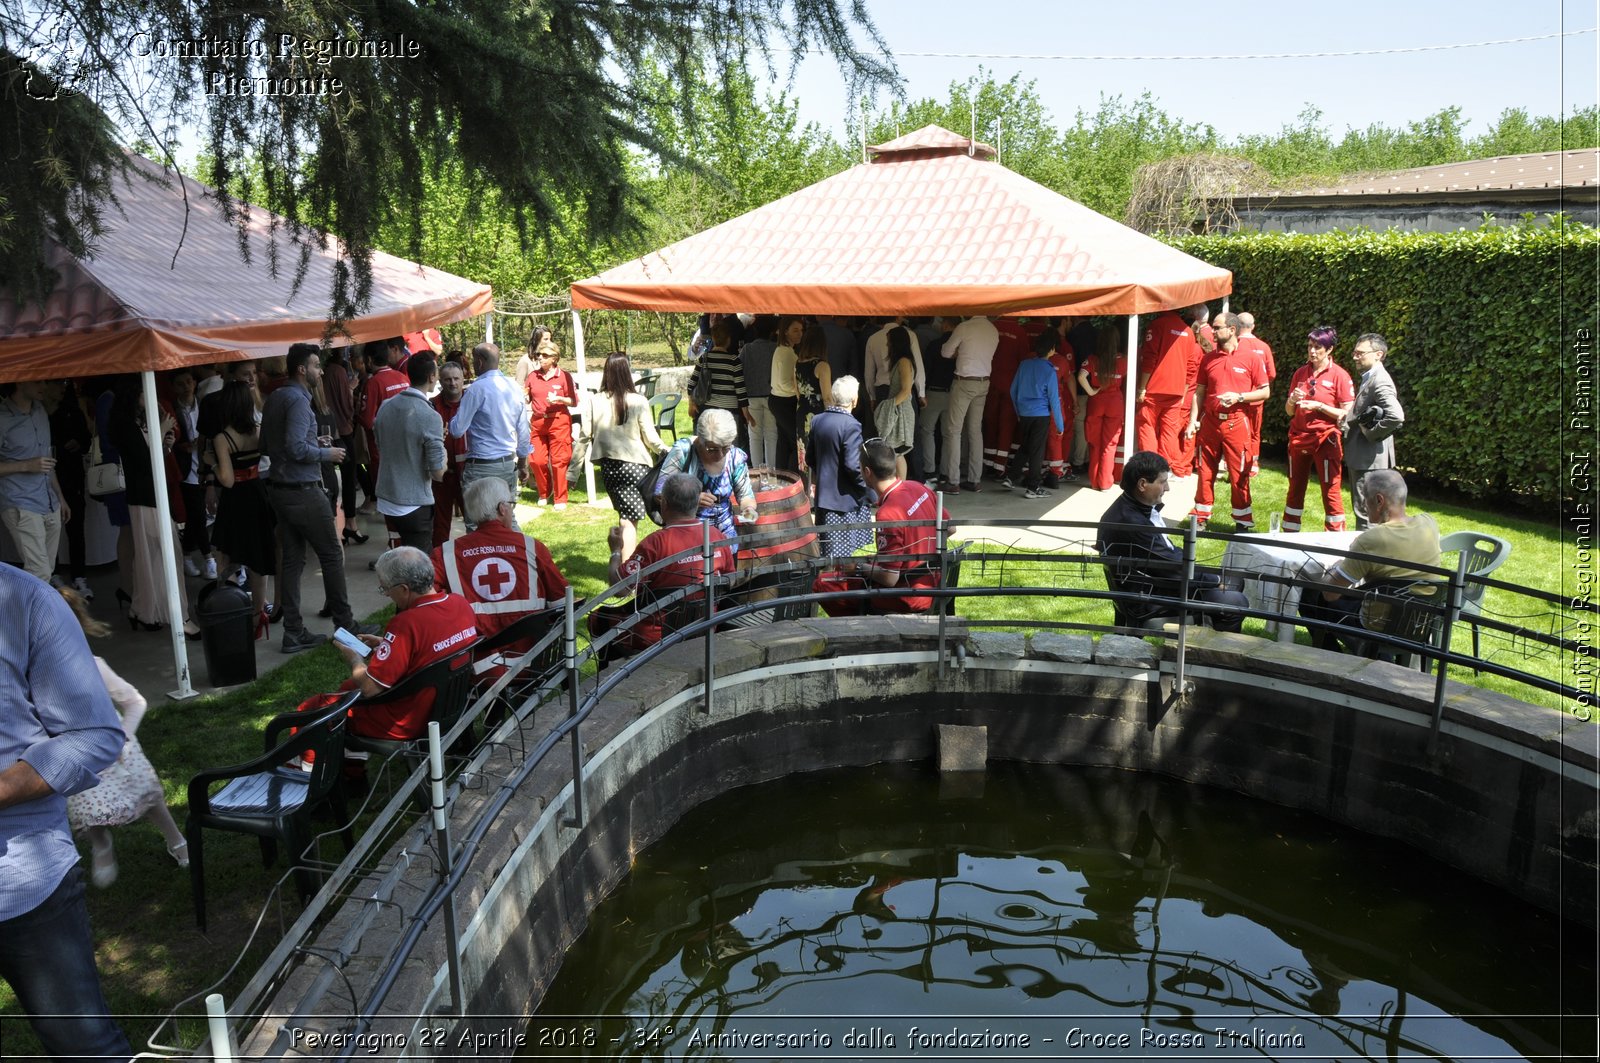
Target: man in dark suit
{"points": [[1132, 540], [1377, 415]]}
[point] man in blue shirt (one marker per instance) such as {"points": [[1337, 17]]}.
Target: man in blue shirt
{"points": [[1036, 396], [494, 418], [294, 488], [57, 731]]}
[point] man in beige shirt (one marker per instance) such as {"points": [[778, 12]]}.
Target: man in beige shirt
{"points": [[1403, 539], [972, 344]]}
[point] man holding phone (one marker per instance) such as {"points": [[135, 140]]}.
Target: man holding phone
{"points": [[428, 626]]}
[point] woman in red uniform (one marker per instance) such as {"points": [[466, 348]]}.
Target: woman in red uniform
{"points": [[1320, 397], [551, 396], [1100, 378]]}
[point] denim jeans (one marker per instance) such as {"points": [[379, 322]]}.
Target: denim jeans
{"points": [[482, 470], [47, 955], [305, 517]]}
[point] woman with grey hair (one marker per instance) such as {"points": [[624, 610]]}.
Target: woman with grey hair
{"points": [[839, 494], [722, 469]]}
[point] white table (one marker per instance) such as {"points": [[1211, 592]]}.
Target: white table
{"points": [[1280, 557]]}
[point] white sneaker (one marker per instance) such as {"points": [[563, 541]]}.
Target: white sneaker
{"points": [[241, 576], [190, 568], [560, 505], [1033, 493], [81, 585], [211, 568]]}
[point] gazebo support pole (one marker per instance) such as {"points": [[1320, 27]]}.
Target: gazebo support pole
{"points": [[488, 327], [1130, 392], [169, 554], [583, 372]]}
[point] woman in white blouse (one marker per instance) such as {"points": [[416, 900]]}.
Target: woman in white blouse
{"points": [[619, 427]]}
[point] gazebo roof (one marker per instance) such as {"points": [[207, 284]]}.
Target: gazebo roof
{"points": [[166, 286], [924, 228]]}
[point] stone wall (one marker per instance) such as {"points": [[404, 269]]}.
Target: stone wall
{"points": [[1508, 795]]}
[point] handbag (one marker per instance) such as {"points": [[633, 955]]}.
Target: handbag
{"points": [[702, 385], [105, 477]]}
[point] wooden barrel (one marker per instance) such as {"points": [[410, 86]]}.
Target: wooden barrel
{"points": [[783, 525]]}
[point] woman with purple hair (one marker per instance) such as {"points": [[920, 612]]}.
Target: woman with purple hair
{"points": [[1320, 398]]}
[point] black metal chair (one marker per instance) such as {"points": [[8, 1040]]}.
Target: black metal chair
{"points": [[1414, 612], [491, 655], [1122, 578], [274, 795], [451, 679], [665, 408]]}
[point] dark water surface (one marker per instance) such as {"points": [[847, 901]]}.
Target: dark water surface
{"points": [[1043, 912]]}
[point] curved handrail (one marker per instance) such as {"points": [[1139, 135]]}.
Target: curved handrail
{"points": [[585, 693]]}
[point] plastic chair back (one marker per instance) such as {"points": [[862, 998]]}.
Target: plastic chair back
{"points": [[1485, 553], [665, 408]]}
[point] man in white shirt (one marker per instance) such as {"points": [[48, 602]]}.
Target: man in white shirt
{"points": [[877, 361], [972, 344]]}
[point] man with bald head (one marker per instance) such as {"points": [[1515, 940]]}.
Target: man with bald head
{"points": [[1249, 342], [494, 420], [1403, 539]]}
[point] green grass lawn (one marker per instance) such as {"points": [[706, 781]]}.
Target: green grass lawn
{"points": [[150, 952]]}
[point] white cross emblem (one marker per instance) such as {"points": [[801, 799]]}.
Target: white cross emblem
{"points": [[493, 578]]}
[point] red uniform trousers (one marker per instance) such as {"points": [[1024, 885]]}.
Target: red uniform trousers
{"points": [[1161, 421], [1255, 410], [446, 501], [1102, 427], [1218, 441], [999, 431], [552, 453], [1325, 460], [1183, 464]]}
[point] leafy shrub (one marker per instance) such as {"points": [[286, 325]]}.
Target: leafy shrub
{"points": [[1480, 327]]}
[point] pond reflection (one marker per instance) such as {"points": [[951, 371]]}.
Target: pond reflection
{"points": [[1054, 912]]}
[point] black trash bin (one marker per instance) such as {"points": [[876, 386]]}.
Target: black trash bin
{"points": [[227, 631]]}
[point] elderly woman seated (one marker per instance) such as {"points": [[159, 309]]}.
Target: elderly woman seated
{"points": [[722, 470]]}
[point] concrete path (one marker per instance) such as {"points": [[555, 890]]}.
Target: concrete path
{"points": [[1071, 502]]}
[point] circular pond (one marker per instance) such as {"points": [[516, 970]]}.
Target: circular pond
{"points": [[1041, 912]]}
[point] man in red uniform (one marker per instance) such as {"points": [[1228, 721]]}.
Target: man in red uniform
{"points": [[428, 626], [447, 492], [1248, 340], [1163, 381], [1205, 342], [999, 417], [1232, 379], [898, 500], [683, 530], [551, 395], [1321, 395], [384, 383], [503, 574]]}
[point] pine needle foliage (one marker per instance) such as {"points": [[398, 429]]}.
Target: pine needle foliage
{"points": [[324, 110]]}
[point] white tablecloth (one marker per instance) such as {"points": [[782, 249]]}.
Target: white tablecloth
{"points": [[1285, 556]]}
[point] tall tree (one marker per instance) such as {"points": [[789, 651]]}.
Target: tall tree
{"points": [[332, 102]]}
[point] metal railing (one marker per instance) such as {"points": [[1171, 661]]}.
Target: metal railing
{"points": [[714, 602]]}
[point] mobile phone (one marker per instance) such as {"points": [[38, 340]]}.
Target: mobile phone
{"points": [[344, 638]]}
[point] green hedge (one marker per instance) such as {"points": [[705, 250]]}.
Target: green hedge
{"points": [[1480, 329]]}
